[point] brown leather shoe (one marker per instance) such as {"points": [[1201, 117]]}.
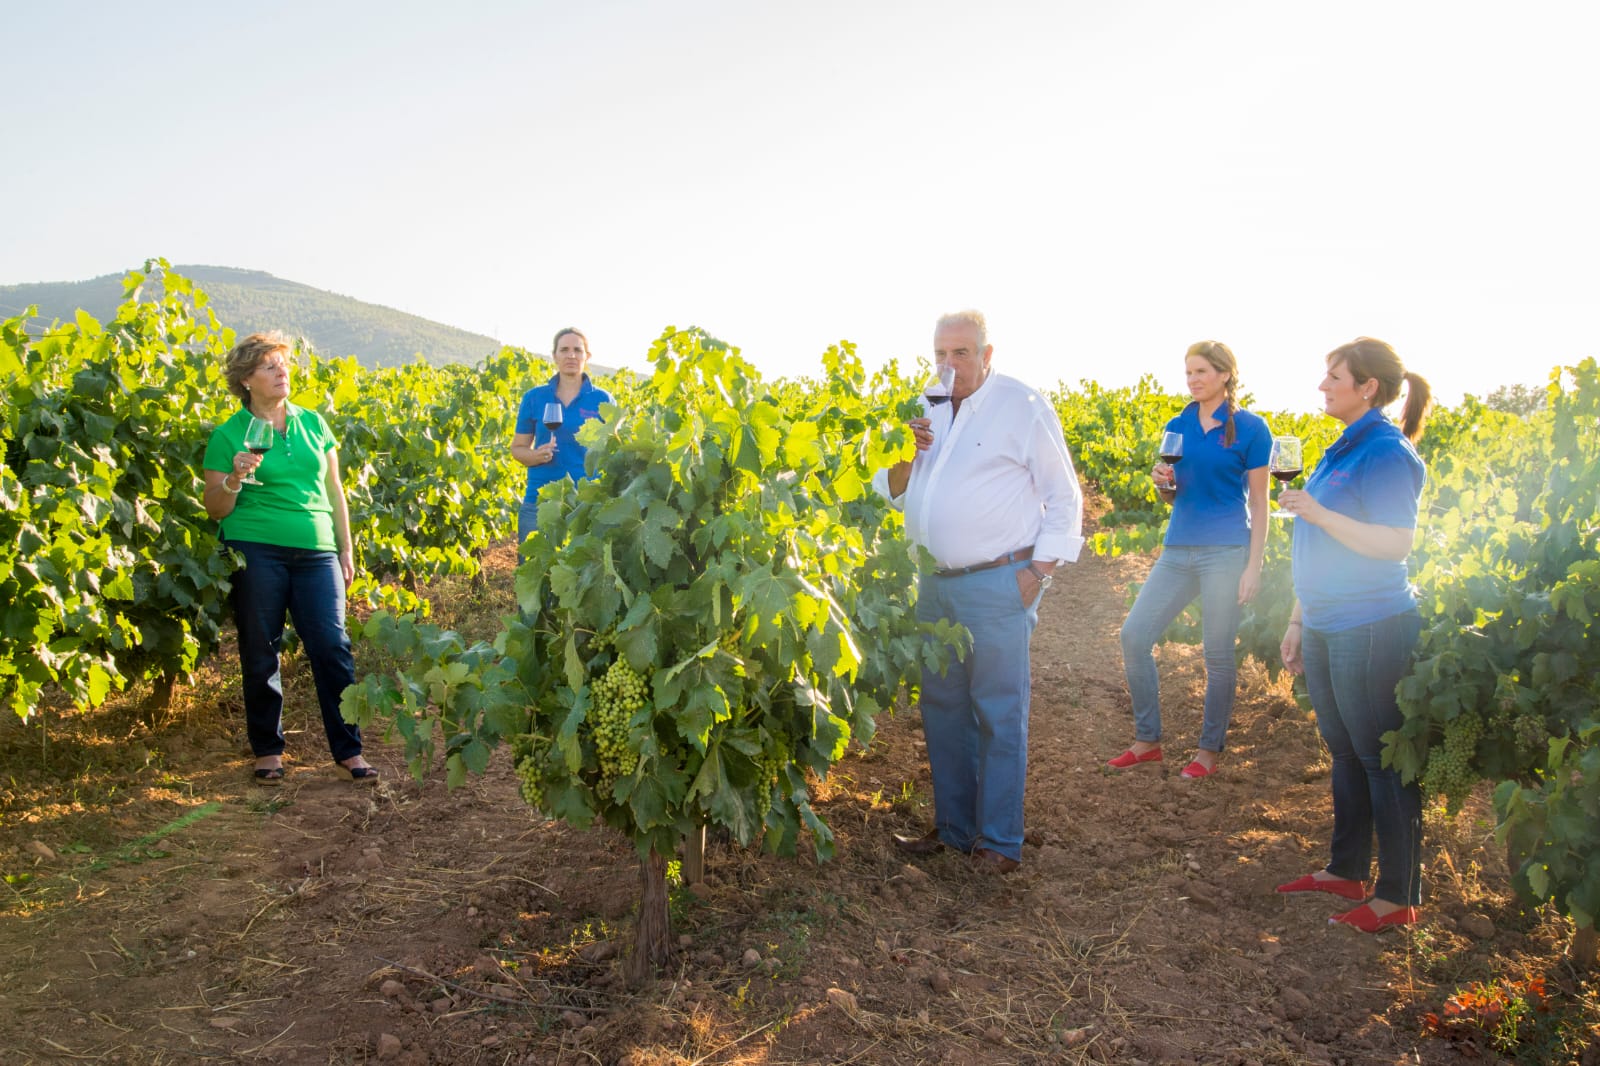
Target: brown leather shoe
{"points": [[927, 844], [992, 862]]}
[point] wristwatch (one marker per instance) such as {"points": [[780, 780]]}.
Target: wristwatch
{"points": [[1044, 578]]}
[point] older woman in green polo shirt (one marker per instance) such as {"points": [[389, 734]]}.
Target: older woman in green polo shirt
{"points": [[283, 508]]}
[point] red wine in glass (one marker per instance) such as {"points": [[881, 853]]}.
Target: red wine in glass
{"points": [[1171, 453], [1285, 464], [553, 417], [937, 388], [258, 439]]}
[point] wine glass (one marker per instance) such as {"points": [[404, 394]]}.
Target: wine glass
{"points": [[936, 390], [1284, 464], [1171, 452], [553, 417], [258, 440]]}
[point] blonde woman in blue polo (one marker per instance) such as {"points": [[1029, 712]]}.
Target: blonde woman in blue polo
{"points": [[1212, 551], [551, 456]]}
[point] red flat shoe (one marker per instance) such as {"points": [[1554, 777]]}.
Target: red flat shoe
{"points": [[1196, 770], [1339, 886], [1368, 921], [1132, 758]]}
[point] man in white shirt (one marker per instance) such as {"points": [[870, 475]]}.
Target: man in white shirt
{"points": [[992, 495]]}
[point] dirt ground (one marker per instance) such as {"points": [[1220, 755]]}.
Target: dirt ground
{"points": [[160, 908]]}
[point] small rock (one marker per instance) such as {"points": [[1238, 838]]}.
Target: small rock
{"points": [[441, 1005], [994, 1035], [472, 912], [573, 1019], [40, 849], [939, 981], [1074, 1037], [751, 959], [845, 1001], [224, 1023], [392, 989], [599, 951], [700, 890], [388, 1046], [1478, 926], [685, 940], [492, 1040], [1296, 1004]]}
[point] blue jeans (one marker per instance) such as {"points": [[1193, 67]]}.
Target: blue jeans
{"points": [[975, 716], [1212, 573], [1351, 676], [527, 518], [309, 587]]}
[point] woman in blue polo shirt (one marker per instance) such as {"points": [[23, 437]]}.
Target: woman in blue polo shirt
{"points": [[553, 456], [1213, 551], [1355, 625]]}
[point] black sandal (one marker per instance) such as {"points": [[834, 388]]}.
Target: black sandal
{"points": [[361, 775], [269, 775]]}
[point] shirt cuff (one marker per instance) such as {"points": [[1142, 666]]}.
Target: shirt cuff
{"points": [[880, 483], [1058, 548]]}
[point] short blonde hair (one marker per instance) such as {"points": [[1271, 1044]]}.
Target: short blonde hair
{"points": [[971, 318], [248, 354]]}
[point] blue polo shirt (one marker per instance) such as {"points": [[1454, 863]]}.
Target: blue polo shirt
{"points": [[1372, 474], [1213, 486], [569, 453]]}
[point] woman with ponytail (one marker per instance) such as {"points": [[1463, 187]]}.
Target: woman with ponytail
{"points": [[1213, 551], [1355, 624]]}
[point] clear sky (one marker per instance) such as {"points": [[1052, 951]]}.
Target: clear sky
{"points": [[1108, 181]]}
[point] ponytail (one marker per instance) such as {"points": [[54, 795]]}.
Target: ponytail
{"points": [[1419, 401]]}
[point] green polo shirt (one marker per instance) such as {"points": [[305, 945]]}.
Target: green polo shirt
{"points": [[290, 507]]}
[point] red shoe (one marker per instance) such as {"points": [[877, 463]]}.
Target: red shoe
{"points": [[1366, 920], [1338, 886], [1133, 758], [1196, 770]]}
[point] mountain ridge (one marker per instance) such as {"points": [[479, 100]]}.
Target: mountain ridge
{"points": [[250, 300]]}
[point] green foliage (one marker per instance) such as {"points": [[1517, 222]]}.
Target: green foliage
{"points": [[1508, 669], [724, 578], [109, 570]]}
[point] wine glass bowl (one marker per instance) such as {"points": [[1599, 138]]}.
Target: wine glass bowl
{"points": [[1171, 453], [259, 437], [937, 389], [553, 416], [1285, 463]]}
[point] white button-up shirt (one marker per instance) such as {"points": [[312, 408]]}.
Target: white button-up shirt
{"points": [[997, 478]]}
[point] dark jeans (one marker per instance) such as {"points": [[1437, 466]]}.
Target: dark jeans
{"points": [[1351, 676], [309, 587]]}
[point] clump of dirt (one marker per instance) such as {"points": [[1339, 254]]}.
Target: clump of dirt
{"points": [[162, 909]]}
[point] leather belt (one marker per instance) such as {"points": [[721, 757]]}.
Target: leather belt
{"points": [[1019, 556]]}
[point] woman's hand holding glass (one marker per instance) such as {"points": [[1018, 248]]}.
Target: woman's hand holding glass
{"points": [[244, 467]]}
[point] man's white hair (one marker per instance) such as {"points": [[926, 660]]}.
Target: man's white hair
{"points": [[974, 319]]}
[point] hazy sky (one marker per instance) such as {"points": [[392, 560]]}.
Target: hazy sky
{"points": [[1107, 181]]}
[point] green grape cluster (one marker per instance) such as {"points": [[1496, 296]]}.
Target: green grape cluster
{"points": [[617, 694], [1450, 774], [1533, 738], [528, 781], [769, 766]]}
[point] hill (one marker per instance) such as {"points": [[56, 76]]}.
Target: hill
{"points": [[250, 300]]}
